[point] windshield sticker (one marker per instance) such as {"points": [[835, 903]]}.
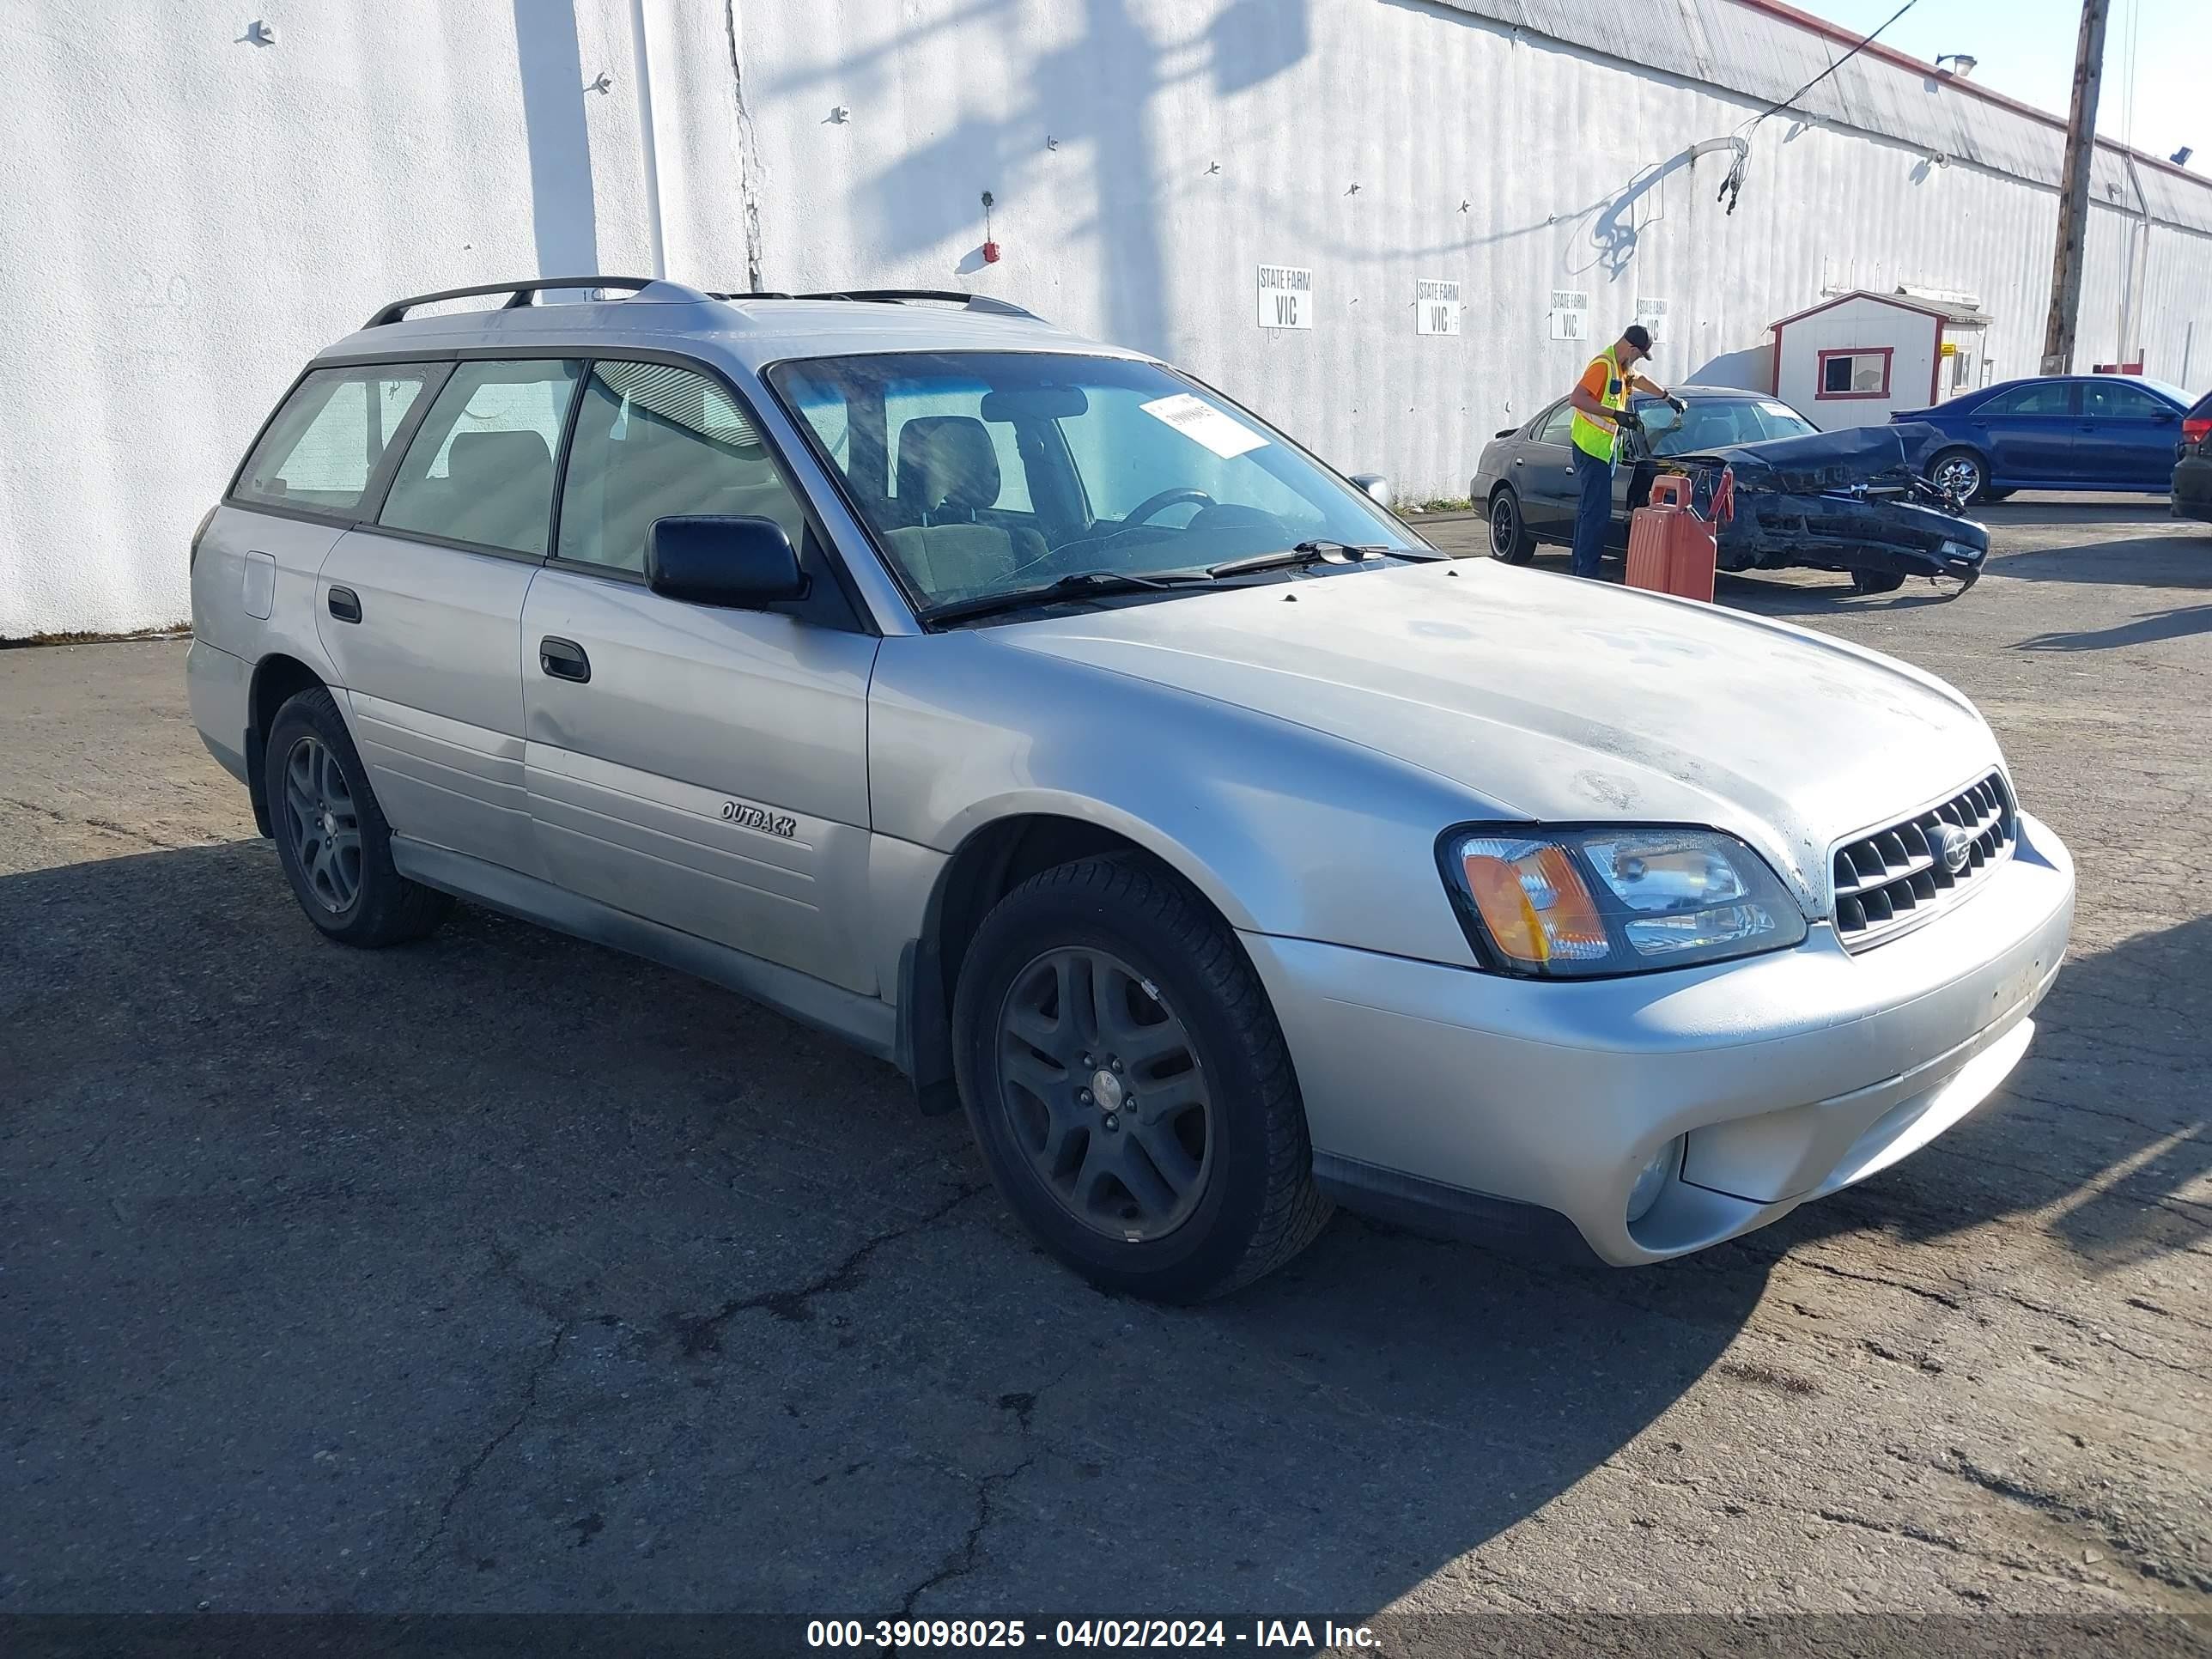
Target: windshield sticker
{"points": [[1202, 422]]}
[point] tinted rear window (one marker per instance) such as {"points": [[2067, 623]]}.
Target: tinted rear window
{"points": [[326, 441]]}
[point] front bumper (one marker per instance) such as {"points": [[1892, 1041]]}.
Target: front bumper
{"points": [[1772, 531], [2192, 489], [1471, 1096]]}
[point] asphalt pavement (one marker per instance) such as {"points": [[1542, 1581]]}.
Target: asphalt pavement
{"points": [[503, 1273]]}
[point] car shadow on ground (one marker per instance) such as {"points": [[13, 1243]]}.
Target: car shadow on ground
{"points": [[2184, 561], [2029, 512], [2145, 630], [1766, 597], [503, 1271]]}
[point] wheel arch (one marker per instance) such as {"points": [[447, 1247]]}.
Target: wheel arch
{"points": [[993, 858], [278, 678]]}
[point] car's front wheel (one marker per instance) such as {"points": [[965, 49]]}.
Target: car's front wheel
{"points": [[330, 834], [1960, 474], [1510, 539], [1129, 1086]]}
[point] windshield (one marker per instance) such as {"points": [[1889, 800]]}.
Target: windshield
{"points": [[1717, 422], [987, 472]]}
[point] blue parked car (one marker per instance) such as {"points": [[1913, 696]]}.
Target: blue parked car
{"points": [[2058, 432]]}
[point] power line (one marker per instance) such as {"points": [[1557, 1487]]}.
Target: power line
{"points": [[1732, 186], [1831, 68]]}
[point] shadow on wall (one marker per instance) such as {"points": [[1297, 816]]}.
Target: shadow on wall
{"points": [[933, 190], [563, 213], [1751, 369]]}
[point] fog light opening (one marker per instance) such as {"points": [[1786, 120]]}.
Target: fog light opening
{"points": [[1666, 1163]]}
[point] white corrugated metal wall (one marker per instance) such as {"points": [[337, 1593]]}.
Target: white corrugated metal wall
{"points": [[1348, 134], [1145, 157]]}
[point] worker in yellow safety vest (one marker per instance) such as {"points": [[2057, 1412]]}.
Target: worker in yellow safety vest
{"points": [[1601, 412]]}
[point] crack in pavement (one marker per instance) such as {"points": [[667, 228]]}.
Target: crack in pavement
{"points": [[2061, 1510], [701, 1334], [961, 1563], [964, 1561], [1909, 1531], [106, 826], [1787, 1260], [2096, 1334], [468, 1474], [2055, 1105]]}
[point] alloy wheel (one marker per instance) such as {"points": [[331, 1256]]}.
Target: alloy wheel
{"points": [[1101, 1085], [323, 825], [1959, 477], [1504, 527]]}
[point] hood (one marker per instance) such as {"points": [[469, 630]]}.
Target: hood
{"points": [[1830, 460], [1554, 699]]}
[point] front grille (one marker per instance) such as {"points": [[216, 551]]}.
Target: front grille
{"points": [[1896, 878]]}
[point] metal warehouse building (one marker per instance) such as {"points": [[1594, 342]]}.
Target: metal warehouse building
{"points": [[1380, 221]]}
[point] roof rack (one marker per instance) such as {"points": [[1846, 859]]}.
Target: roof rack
{"points": [[522, 294], [984, 302]]}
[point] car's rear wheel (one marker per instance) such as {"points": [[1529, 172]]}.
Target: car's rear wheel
{"points": [[331, 835], [1129, 1086], [1961, 474], [1510, 539], [1876, 581]]}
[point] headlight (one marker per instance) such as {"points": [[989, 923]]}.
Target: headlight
{"points": [[1588, 903]]}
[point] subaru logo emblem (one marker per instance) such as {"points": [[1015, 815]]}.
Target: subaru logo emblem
{"points": [[1953, 846]]}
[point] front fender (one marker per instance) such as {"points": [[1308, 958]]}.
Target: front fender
{"points": [[1284, 829]]}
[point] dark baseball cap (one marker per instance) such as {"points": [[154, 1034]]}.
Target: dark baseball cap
{"points": [[1637, 336]]}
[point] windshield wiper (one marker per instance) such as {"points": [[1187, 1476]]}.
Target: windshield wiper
{"points": [[1314, 552], [1082, 585]]}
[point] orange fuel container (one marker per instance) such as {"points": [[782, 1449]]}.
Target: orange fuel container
{"points": [[1670, 548]]}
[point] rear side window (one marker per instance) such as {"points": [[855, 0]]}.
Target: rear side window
{"points": [[326, 441], [481, 467], [2048, 397]]}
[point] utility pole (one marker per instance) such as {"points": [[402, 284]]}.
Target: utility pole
{"points": [[2073, 192]]}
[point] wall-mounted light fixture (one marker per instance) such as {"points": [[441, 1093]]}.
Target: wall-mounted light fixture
{"points": [[1961, 62]]}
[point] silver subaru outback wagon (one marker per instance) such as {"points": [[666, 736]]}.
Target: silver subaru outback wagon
{"points": [[1034, 717]]}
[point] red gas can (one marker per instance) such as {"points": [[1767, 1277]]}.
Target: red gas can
{"points": [[1670, 547]]}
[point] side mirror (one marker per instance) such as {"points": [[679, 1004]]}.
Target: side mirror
{"points": [[1509, 432], [1374, 485], [2163, 417], [741, 564]]}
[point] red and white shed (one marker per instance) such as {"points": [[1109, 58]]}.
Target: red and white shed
{"points": [[1856, 359]]}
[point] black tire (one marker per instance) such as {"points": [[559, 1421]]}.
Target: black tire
{"points": [[1969, 475], [1253, 1204], [1876, 581], [360, 900], [1510, 539]]}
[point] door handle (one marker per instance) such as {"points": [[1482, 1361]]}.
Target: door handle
{"points": [[564, 659], [345, 605]]}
